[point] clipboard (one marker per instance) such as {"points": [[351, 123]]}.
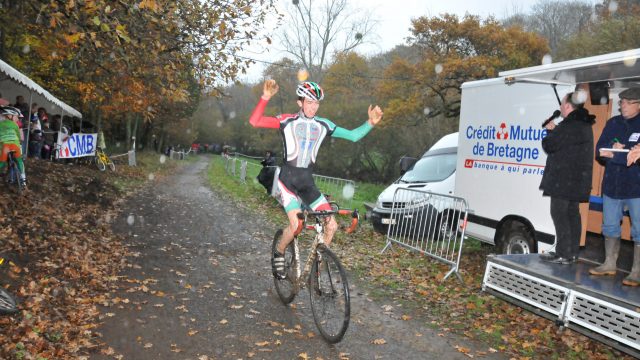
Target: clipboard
{"points": [[615, 150]]}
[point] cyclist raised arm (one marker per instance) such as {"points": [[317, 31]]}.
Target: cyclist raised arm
{"points": [[10, 138], [302, 135]]}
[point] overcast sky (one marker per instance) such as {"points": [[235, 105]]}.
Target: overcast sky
{"points": [[394, 20]]}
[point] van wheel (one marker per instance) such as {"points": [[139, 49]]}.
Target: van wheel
{"points": [[517, 239]]}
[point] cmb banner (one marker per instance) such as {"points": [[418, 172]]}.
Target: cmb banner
{"points": [[76, 145]]}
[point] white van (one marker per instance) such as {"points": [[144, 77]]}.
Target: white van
{"points": [[433, 172], [500, 155]]}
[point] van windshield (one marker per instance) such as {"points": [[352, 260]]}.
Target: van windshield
{"points": [[431, 168]]}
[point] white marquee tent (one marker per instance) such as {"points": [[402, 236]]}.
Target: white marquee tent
{"points": [[14, 83]]}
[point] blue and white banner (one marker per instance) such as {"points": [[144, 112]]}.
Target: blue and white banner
{"points": [[77, 145]]}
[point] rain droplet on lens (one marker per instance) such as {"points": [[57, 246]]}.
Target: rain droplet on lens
{"points": [[219, 124], [26, 49], [547, 59], [303, 74], [629, 59], [347, 191], [162, 159], [232, 115], [613, 6], [427, 110], [580, 96], [131, 219], [438, 68], [603, 100], [151, 176]]}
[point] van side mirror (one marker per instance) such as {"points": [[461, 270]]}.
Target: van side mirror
{"points": [[406, 163]]}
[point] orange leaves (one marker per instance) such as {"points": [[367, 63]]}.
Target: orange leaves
{"points": [[73, 38], [149, 4]]}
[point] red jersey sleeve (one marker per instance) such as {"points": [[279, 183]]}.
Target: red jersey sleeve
{"points": [[258, 119]]}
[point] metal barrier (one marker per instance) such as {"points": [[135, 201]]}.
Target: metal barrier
{"points": [[339, 190], [430, 223]]}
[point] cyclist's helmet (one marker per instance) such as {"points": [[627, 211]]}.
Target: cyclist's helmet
{"points": [[10, 110], [310, 90]]}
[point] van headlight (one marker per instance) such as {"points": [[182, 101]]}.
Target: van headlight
{"points": [[379, 203]]}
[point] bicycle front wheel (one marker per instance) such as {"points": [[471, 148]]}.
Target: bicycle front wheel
{"points": [[285, 287], [329, 293], [112, 166], [7, 303]]}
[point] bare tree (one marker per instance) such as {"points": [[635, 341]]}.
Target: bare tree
{"points": [[316, 30], [555, 20]]}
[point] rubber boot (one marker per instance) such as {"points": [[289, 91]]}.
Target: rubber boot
{"points": [[611, 249], [634, 277]]}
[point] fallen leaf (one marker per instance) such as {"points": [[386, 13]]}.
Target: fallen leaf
{"points": [[379, 341]]}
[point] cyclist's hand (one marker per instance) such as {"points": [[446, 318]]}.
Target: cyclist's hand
{"points": [[270, 88], [375, 115]]}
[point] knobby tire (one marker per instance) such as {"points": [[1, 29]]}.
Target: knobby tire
{"points": [[329, 294], [7, 303], [14, 174], [100, 163]]}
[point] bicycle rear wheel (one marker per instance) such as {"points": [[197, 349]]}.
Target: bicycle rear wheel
{"points": [[14, 175], [329, 294], [285, 287], [7, 303]]}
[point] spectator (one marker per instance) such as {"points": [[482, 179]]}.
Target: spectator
{"points": [[49, 140], [567, 175], [3, 101], [265, 177], [22, 105], [36, 138], [621, 184]]}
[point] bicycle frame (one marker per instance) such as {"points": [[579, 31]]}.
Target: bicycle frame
{"points": [[318, 240]]}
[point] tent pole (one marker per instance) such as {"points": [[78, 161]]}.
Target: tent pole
{"points": [[26, 139]]}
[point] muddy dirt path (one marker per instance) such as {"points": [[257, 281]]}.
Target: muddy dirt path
{"points": [[200, 287]]}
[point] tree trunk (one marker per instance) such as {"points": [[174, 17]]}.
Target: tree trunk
{"points": [[128, 127]]}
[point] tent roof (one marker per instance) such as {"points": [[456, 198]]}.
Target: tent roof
{"points": [[32, 87]]}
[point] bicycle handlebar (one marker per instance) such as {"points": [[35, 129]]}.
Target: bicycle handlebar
{"points": [[302, 216]]}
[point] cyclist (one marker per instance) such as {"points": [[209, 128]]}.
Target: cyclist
{"points": [[302, 135], [10, 137]]}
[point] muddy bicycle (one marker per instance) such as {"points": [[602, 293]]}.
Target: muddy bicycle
{"points": [[322, 273], [102, 160], [13, 172], [7, 302]]}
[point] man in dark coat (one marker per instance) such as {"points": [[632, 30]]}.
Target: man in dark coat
{"points": [[265, 177], [567, 174], [621, 184]]}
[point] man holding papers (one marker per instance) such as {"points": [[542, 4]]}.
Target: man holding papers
{"points": [[621, 184]]}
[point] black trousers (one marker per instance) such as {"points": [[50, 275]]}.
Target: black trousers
{"points": [[566, 219]]}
